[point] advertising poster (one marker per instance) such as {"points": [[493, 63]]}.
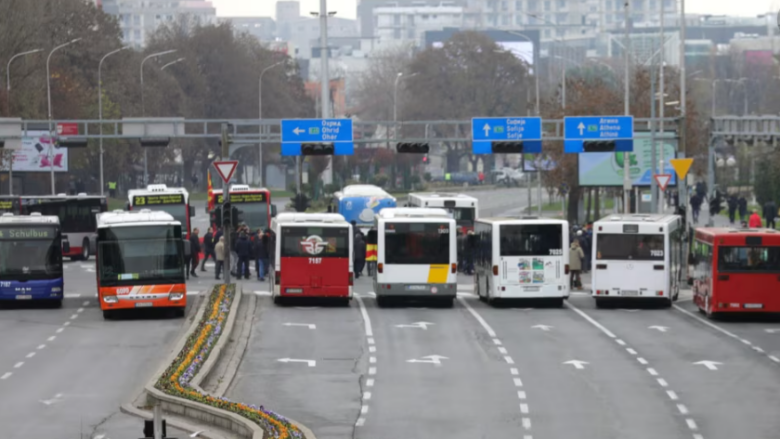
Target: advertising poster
{"points": [[38, 155], [606, 169]]}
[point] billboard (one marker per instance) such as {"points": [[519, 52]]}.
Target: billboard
{"points": [[606, 169], [533, 162], [38, 155], [523, 50]]}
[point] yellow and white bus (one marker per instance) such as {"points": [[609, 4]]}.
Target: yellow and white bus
{"points": [[417, 255]]}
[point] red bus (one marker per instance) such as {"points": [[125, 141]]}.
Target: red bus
{"points": [[254, 206], [312, 257], [161, 198], [735, 270]]}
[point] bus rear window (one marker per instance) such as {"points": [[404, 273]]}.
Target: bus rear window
{"points": [[321, 242], [617, 246], [417, 243], [531, 240], [749, 259]]}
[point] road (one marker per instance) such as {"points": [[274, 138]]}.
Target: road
{"points": [[516, 370]]}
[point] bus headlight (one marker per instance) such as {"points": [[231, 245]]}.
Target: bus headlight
{"points": [[56, 289], [176, 296], [110, 299]]}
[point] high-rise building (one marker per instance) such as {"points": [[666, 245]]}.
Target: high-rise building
{"points": [[139, 18], [367, 20]]}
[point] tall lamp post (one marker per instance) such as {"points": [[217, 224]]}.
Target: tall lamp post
{"points": [[172, 63], [8, 111], [100, 110], [324, 70], [398, 78], [260, 118], [143, 106], [48, 95]]}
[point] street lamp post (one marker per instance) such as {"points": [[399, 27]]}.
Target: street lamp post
{"points": [[260, 118], [172, 63], [143, 106], [325, 73], [536, 71], [100, 110], [398, 78], [8, 111], [563, 92], [48, 96]]}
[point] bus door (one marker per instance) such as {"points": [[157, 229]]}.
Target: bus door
{"points": [[532, 257], [747, 276], [631, 264], [315, 261]]}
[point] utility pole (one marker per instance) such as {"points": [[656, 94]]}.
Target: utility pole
{"points": [[227, 225], [626, 159], [325, 77], [661, 103]]}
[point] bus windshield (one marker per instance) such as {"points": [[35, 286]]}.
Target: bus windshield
{"points": [[619, 246], [417, 243], [179, 212], [531, 240], [255, 215], [140, 255], [749, 259], [321, 242], [28, 253], [463, 216]]}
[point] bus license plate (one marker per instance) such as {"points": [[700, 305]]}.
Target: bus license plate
{"points": [[753, 306], [294, 290], [144, 305], [532, 289], [629, 293], [416, 288], [23, 297]]}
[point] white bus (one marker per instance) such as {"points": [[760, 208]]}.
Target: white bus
{"points": [[416, 255], [464, 209], [638, 256], [312, 256], [522, 258]]}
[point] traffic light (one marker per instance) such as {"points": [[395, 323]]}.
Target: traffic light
{"points": [[317, 149], [237, 215], [506, 147], [155, 142], [300, 203], [425, 160], [598, 146], [227, 214], [72, 142], [412, 148]]}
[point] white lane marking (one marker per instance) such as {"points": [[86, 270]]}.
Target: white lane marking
{"points": [[366, 396], [372, 360], [683, 409], [360, 422], [71, 296], [305, 325], [52, 337], [710, 324], [518, 382], [41, 346], [524, 409], [364, 409], [263, 293], [370, 341], [652, 371], [698, 436], [479, 318], [30, 355], [497, 342], [372, 370], [620, 342], [691, 424], [369, 331], [526, 423], [6, 375], [514, 371], [310, 363], [631, 351], [775, 359], [80, 310], [372, 349], [370, 382], [641, 360], [590, 319], [502, 350], [672, 395], [18, 365], [509, 360], [662, 382], [59, 330], [747, 342], [86, 303], [758, 349], [711, 365], [578, 364], [521, 394], [74, 316], [366, 318], [66, 324]]}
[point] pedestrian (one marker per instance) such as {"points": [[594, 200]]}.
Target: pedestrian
{"points": [[732, 203], [742, 206], [208, 248], [233, 254], [219, 256], [359, 254], [471, 248], [194, 250], [696, 201], [770, 212], [260, 252], [755, 220], [586, 240], [112, 189], [575, 264], [371, 250], [244, 252]]}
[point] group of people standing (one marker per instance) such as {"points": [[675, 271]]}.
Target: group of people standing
{"points": [[364, 251], [245, 247]]}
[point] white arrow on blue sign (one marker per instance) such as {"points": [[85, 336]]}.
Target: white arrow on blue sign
{"points": [[485, 130], [298, 131]]}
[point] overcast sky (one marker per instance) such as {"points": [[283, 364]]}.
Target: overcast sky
{"points": [[346, 8]]}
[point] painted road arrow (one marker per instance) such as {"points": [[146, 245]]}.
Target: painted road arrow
{"points": [[421, 325], [711, 365], [309, 325], [577, 363], [432, 359], [542, 327], [311, 363], [57, 398], [659, 328]]}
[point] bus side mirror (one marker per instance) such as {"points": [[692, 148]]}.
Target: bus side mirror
{"points": [[192, 211], [274, 211], [187, 249], [66, 247]]}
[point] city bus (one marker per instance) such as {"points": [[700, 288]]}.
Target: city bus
{"points": [[522, 258], [31, 258], [77, 214], [735, 270], [361, 203], [416, 255], [140, 262], [159, 197], [9, 204], [312, 256], [254, 205], [638, 256], [463, 208]]}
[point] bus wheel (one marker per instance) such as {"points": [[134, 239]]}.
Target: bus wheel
{"points": [[108, 314], [382, 302], [278, 300], [85, 249], [600, 303], [179, 312], [55, 304], [343, 302], [667, 303], [557, 303], [448, 302]]}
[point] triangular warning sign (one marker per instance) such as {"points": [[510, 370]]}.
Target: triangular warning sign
{"points": [[681, 167], [663, 180], [226, 169]]}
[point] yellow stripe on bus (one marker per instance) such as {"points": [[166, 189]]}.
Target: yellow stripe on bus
{"points": [[437, 274]]}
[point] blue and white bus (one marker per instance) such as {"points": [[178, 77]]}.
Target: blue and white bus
{"points": [[361, 203], [31, 258]]}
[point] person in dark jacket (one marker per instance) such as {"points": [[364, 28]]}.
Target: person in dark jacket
{"points": [[260, 251], [208, 248], [732, 204], [696, 201], [742, 205], [194, 250], [233, 255], [244, 252], [359, 254], [770, 213], [470, 250]]}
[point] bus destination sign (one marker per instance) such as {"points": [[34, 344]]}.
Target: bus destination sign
{"points": [[27, 233], [239, 198], [156, 200]]}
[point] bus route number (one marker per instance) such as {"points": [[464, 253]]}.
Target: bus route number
{"points": [[315, 260], [657, 253], [444, 231], [556, 252]]}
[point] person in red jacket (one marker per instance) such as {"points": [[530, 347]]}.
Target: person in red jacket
{"points": [[755, 220]]}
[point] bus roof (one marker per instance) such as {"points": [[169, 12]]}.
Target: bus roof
{"points": [[638, 218], [412, 212], [310, 218], [734, 236], [424, 197], [79, 196], [508, 220], [235, 188], [362, 190], [133, 218], [33, 218], [156, 189]]}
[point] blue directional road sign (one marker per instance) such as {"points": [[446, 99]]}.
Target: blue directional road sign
{"points": [[578, 129], [485, 130], [335, 131]]}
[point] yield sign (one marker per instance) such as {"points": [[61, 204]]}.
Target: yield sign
{"points": [[226, 168], [681, 166], [663, 180]]}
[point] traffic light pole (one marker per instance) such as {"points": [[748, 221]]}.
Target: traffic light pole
{"points": [[226, 226]]}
